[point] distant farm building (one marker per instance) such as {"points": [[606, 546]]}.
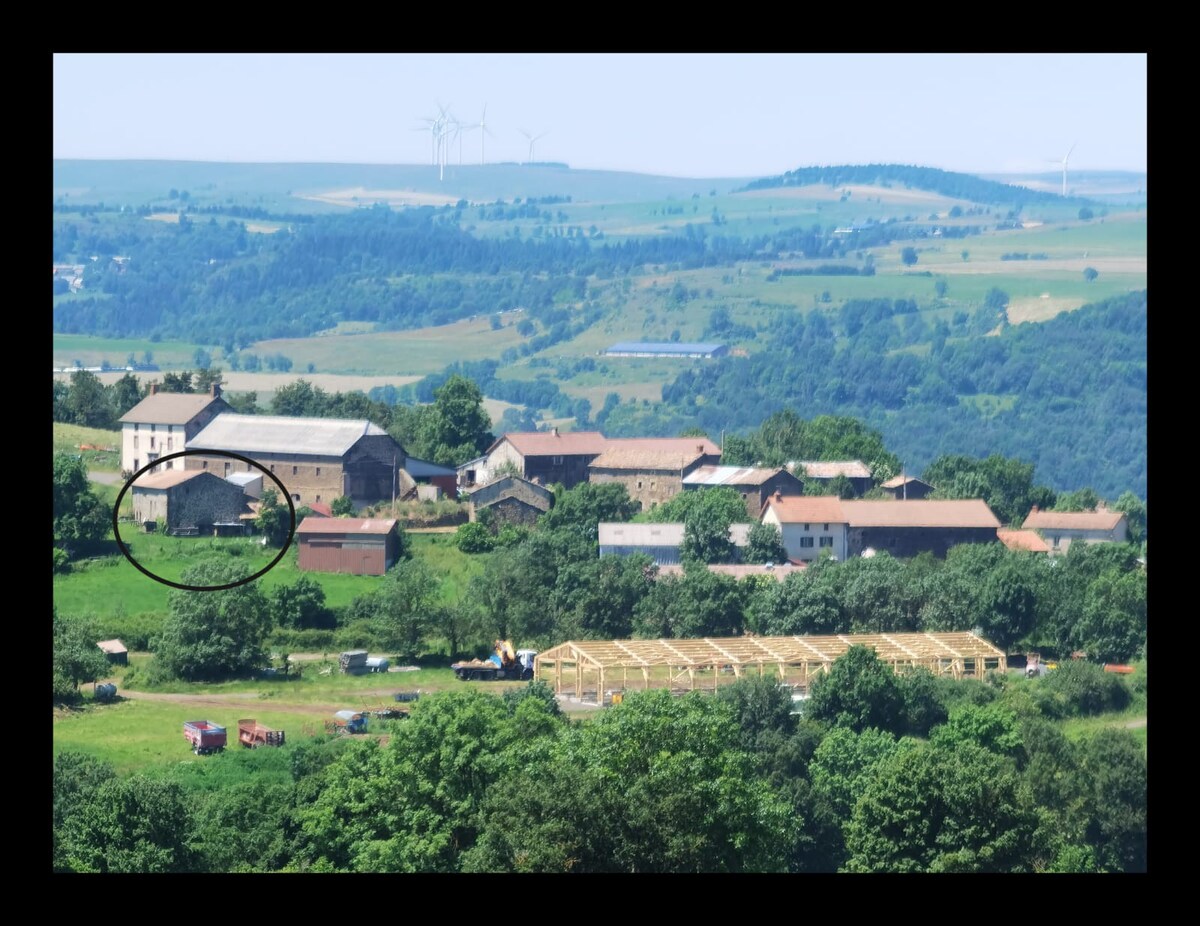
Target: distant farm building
{"points": [[689, 349], [1029, 541], [115, 651], [163, 423], [426, 475], [754, 484], [1062, 528], [590, 670], [317, 459], [357, 546], [251, 483], [652, 469], [906, 487], [661, 542], [821, 472], [546, 457], [187, 501], [511, 500]]}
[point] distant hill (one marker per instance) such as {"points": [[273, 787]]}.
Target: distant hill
{"points": [[944, 182]]}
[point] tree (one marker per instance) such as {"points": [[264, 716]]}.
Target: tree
{"points": [[300, 605], [1134, 510], [1084, 499], [342, 507], [474, 537], [209, 636], [87, 401], [1085, 214], [798, 605], [764, 544], [942, 809], [125, 393], [908, 256], [583, 507], [859, 692], [457, 427], [274, 521], [1114, 765], [401, 608], [940, 288], [76, 657], [79, 517], [1090, 274], [699, 603]]}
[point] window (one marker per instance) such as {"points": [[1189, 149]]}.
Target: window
{"points": [[806, 541], [806, 527], [135, 442], [826, 527], [226, 468], [204, 464], [826, 542], [170, 443], [639, 483], [170, 464], [318, 473], [557, 461], [152, 428], [272, 467], [295, 470], [318, 498], [135, 464], [135, 427], [295, 497], [1055, 539], [151, 441], [652, 485], [170, 429]]}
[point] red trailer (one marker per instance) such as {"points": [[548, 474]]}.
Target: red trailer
{"points": [[205, 737], [253, 734]]}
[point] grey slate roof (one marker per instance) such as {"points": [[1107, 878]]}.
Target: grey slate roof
{"points": [[328, 437]]}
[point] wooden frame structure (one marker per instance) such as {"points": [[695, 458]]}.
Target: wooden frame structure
{"points": [[591, 670]]}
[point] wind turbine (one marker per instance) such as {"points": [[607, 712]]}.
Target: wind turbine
{"points": [[483, 130], [1064, 166], [532, 139]]}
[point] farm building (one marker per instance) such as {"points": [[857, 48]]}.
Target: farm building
{"points": [[590, 669], [1030, 541], [808, 525], [116, 652], [821, 472], [251, 483], [906, 487], [317, 459], [361, 547], [188, 501], [912, 527], [163, 423], [660, 541], [546, 457], [1062, 528], [652, 469], [667, 349], [754, 484], [424, 473], [511, 500]]}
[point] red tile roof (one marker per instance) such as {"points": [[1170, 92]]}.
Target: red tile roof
{"points": [[321, 508], [967, 512], [167, 478], [636, 458], [1022, 540], [547, 443], [1101, 520], [346, 526], [896, 481], [806, 509]]}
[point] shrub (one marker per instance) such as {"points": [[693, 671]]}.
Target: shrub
{"points": [[1079, 688], [473, 538]]}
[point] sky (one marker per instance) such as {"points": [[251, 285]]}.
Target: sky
{"points": [[679, 115]]}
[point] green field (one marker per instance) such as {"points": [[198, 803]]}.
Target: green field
{"points": [[91, 352], [114, 591], [68, 438]]}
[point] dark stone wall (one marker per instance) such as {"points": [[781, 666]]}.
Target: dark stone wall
{"points": [[909, 541]]}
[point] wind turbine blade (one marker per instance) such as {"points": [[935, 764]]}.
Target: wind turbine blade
{"points": [[1069, 150]]}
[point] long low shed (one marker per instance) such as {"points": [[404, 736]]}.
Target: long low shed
{"points": [[588, 669]]}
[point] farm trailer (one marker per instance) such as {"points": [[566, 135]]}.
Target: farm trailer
{"points": [[205, 737], [253, 734]]}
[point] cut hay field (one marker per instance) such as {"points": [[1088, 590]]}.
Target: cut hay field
{"points": [[92, 352], [69, 437]]}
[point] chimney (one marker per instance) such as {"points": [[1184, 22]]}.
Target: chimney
{"points": [[554, 431], [215, 390], [778, 495], [699, 448], [154, 388], [1035, 508]]}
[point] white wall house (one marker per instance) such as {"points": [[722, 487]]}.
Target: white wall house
{"points": [[1062, 528], [163, 423], [809, 525]]}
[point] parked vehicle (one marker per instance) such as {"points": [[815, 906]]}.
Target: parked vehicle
{"points": [[205, 737], [105, 692], [347, 722], [505, 663], [253, 734], [405, 697]]}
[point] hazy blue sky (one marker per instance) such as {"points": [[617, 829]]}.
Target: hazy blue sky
{"points": [[687, 115]]}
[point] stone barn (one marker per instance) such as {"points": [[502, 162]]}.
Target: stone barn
{"points": [[511, 500], [189, 501]]}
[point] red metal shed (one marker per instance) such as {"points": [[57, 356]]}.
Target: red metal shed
{"points": [[358, 546]]}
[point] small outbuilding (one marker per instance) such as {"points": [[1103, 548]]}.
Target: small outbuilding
{"points": [[511, 500], [188, 501], [115, 651], [357, 546]]}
